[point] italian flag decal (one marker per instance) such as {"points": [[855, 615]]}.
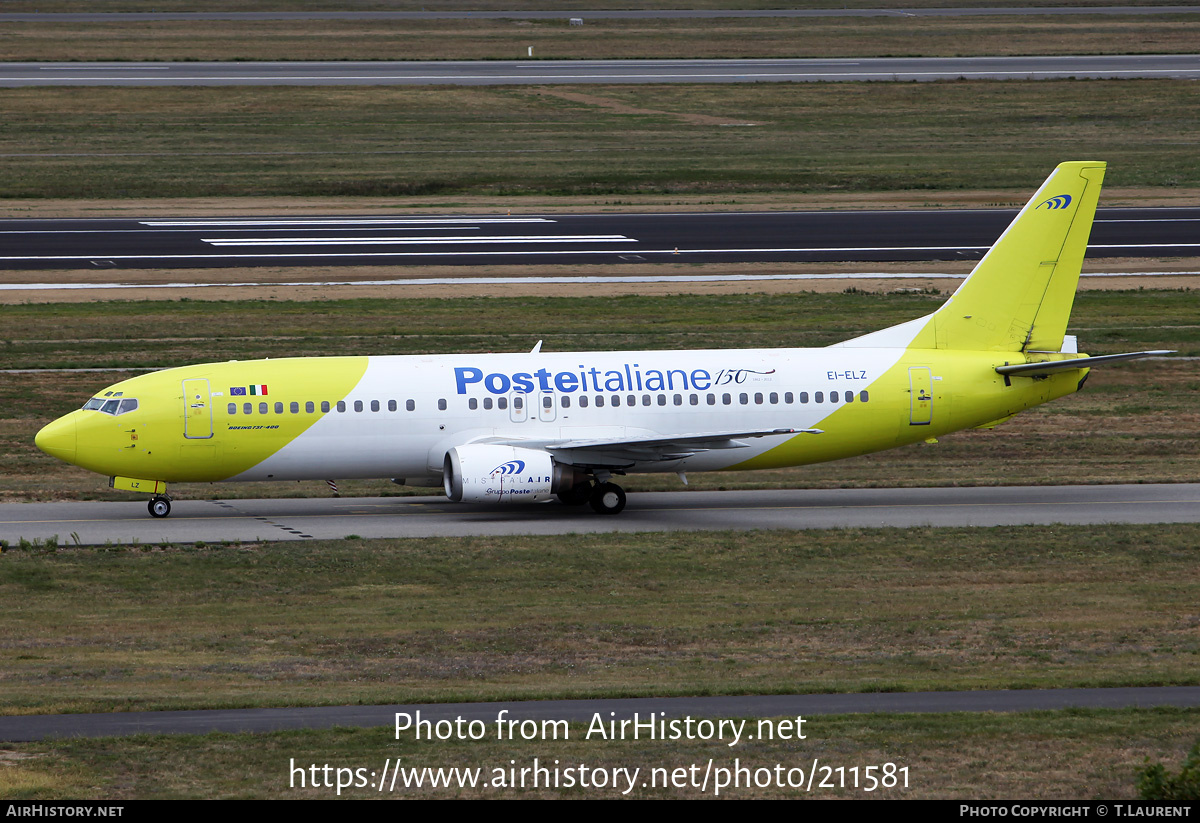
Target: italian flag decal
{"points": [[259, 388]]}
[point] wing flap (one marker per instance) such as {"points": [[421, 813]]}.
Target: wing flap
{"points": [[626, 451]]}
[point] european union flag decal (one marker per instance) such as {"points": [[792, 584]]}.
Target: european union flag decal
{"points": [[237, 391]]}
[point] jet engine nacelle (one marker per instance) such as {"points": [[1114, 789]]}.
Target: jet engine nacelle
{"points": [[485, 473]]}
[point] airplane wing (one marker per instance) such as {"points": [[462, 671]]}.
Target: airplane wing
{"points": [[1051, 366], [626, 451]]}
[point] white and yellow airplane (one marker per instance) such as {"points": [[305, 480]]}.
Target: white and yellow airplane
{"points": [[526, 427]]}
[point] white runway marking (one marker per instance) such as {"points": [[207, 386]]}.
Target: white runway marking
{"points": [[416, 241], [584, 280], [343, 221], [529, 252]]}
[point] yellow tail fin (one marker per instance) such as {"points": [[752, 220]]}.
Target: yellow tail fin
{"points": [[1019, 296]]}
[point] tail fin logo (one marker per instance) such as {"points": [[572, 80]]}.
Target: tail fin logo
{"points": [[1059, 202], [511, 467]]}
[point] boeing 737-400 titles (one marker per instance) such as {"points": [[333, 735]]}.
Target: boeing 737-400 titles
{"points": [[528, 427]]}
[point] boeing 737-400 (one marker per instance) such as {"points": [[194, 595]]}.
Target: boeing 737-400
{"points": [[528, 427]]}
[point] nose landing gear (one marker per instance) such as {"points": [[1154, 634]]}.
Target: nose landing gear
{"points": [[159, 506]]}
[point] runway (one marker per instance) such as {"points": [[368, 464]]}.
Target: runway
{"points": [[590, 14], [40, 727], [867, 236], [550, 72], [327, 518]]}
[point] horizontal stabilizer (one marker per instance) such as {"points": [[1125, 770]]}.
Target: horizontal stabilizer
{"points": [[1049, 367]]}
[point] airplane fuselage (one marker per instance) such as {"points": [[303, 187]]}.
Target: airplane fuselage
{"points": [[358, 417]]}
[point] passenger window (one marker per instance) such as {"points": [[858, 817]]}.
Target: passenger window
{"points": [[341, 405], [441, 404], [374, 405], [247, 408], [849, 397], [712, 399], [547, 402], [583, 402], [819, 397], [358, 406], [566, 402], [279, 408], [833, 397], [662, 400], [518, 403], [677, 399], [294, 407], [862, 396], [616, 400], [743, 398], [788, 397], [774, 398], [501, 402], [392, 405], [487, 402], [233, 408], [645, 400], [262, 408], [309, 407], [600, 401], [472, 404], [631, 400], [803, 397], [694, 399], [726, 399], [411, 405], [758, 398], [324, 405]]}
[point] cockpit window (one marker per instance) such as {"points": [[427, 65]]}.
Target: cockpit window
{"points": [[113, 406]]}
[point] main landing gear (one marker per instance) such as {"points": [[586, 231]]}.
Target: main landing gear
{"points": [[604, 497], [159, 506], [607, 498]]}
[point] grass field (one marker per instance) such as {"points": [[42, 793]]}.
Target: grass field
{"points": [[605, 140], [393, 621], [1132, 423], [1039, 755], [482, 39]]}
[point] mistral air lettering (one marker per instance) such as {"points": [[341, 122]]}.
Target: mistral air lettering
{"points": [[629, 377]]}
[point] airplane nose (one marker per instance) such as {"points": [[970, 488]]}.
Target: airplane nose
{"points": [[57, 439]]}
